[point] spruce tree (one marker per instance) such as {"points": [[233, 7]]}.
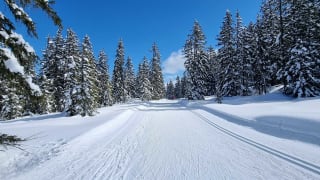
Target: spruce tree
{"points": [[47, 76], [197, 65], [170, 90], [86, 95], [156, 77], [129, 79], [238, 56], [178, 88], [13, 48], [300, 72], [104, 85], [227, 75], [118, 89], [261, 73], [212, 57], [143, 83], [247, 56], [183, 86], [59, 70], [72, 65], [271, 39]]}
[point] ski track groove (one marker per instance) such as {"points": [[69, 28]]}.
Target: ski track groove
{"points": [[289, 158], [114, 162]]}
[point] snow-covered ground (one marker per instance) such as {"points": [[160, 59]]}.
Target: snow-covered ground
{"points": [[262, 137]]}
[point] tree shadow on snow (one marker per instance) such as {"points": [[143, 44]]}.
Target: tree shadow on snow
{"points": [[37, 118], [279, 126]]}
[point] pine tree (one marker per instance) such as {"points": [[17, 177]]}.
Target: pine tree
{"points": [[13, 48], [143, 83], [270, 35], [227, 75], [104, 85], [59, 69], [212, 57], [129, 79], [247, 56], [197, 65], [118, 91], [261, 65], [300, 72], [71, 70], [156, 75], [238, 65], [11, 104], [86, 95], [183, 86], [178, 88], [170, 90], [46, 77]]}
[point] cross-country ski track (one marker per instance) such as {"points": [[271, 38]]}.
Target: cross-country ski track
{"points": [[168, 140]]}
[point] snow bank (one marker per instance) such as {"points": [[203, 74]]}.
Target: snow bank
{"points": [[273, 110]]}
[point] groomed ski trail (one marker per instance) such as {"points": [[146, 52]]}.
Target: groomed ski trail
{"points": [[165, 140]]}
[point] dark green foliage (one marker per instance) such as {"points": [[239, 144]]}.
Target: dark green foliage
{"points": [[118, 89], [170, 90], [178, 88], [156, 77], [104, 86], [144, 87], [197, 65], [228, 74]]}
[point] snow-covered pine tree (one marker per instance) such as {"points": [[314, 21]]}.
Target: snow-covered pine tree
{"points": [[87, 91], [212, 58], [227, 76], [178, 88], [17, 58], [269, 27], [104, 85], [72, 74], [261, 73], [118, 89], [300, 72], [47, 76], [170, 90], [237, 61], [197, 65], [144, 85], [129, 80], [247, 56], [59, 69], [156, 77], [11, 103], [183, 86], [16, 55]]}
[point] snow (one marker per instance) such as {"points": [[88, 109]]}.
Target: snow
{"points": [[4, 34], [21, 41], [33, 86], [14, 66], [259, 137], [12, 63]]}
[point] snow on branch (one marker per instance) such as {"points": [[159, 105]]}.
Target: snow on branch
{"points": [[14, 66], [12, 63]]}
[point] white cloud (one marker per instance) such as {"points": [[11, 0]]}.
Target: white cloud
{"points": [[174, 64]]}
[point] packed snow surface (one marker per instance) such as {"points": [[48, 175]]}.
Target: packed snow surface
{"points": [[263, 137]]}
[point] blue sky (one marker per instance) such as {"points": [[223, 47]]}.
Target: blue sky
{"points": [[140, 23]]}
